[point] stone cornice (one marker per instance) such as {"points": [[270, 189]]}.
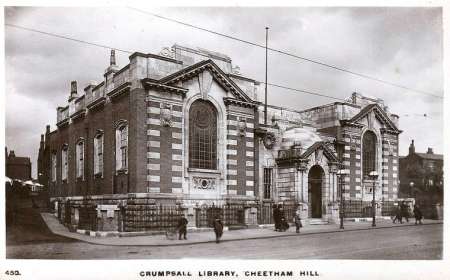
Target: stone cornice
{"points": [[78, 114], [150, 55], [119, 91], [62, 123], [98, 103], [349, 123], [390, 131], [151, 83], [229, 100]]}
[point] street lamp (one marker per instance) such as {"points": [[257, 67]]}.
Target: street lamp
{"points": [[411, 186], [373, 176], [341, 173]]}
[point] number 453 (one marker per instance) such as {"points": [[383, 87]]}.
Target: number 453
{"points": [[12, 272]]}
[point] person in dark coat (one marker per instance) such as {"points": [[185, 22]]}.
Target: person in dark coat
{"points": [[182, 227], [283, 225], [398, 215], [218, 228], [276, 217], [405, 212], [417, 214], [298, 222]]}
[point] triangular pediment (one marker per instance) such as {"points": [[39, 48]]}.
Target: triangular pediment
{"points": [[379, 114], [320, 148], [217, 74]]}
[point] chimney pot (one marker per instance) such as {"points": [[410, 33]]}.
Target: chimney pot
{"points": [[430, 151]]}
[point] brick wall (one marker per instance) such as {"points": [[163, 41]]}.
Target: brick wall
{"points": [[240, 156], [164, 144]]}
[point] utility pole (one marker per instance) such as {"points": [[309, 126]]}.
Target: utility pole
{"points": [[265, 92]]}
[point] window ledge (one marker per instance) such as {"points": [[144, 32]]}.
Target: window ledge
{"points": [[199, 170]]}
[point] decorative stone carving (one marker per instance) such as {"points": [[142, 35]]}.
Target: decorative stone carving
{"points": [[242, 126], [166, 114], [353, 142], [205, 80], [236, 70], [200, 183], [318, 155], [167, 52], [269, 140], [390, 147]]}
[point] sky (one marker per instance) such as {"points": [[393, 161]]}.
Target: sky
{"points": [[399, 45]]}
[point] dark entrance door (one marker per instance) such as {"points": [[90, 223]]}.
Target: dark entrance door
{"points": [[315, 177]]}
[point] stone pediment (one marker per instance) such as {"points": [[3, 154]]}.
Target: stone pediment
{"points": [[298, 155], [207, 71], [320, 149], [379, 114]]}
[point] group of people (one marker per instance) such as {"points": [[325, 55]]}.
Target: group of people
{"points": [[182, 228], [402, 212], [280, 221]]}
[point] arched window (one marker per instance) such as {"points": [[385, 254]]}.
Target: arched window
{"points": [[64, 162], [369, 152], [202, 135], [80, 159], [53, 166], [98, 155], [122, 147]]}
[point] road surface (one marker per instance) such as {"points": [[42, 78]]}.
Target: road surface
{"points": [[402, 243]]}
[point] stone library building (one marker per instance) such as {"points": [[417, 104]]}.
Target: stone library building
{"points": [[183, 132]]}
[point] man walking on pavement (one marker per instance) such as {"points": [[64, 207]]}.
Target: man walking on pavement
{"points": [[398, 215], [182, 227], [417, 214], [405, 212], [218, 228], [298, 222], [276, 217]]}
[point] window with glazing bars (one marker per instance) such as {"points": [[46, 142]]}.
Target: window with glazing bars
{"points": [[267, 182], [53, 167], [80, 159], [202, 135], [98, 154], [64, 163], [124, 145], [369, 152]]}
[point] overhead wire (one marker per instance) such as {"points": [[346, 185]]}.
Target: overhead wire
{"points": [[288, 53]]}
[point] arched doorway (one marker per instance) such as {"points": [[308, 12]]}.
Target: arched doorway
{"points": [[315, 178]]}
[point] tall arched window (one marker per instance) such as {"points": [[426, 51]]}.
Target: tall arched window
{"points": [[369, 152], [98, 155], [202, 135], [80, 159], [64, 162], [122, 147]]}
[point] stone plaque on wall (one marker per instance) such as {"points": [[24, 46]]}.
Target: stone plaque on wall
{"points": [[201, 183]]}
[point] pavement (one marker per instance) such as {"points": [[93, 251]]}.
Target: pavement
{"points": [[198, 237]]}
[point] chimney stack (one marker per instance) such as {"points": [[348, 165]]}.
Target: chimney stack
{"points": [[73, 90], [47, 129], [11, 153], [430, 151]]}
